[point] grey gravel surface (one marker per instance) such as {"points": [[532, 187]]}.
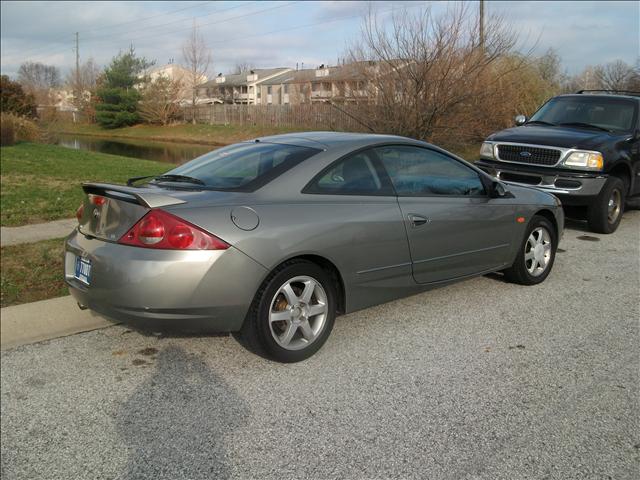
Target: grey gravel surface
{"points": [[477, 380]]}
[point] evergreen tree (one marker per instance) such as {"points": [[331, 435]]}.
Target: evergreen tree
{"points": [[119, 97]]}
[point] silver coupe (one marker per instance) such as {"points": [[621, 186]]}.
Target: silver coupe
{"points": [[272, 238]]}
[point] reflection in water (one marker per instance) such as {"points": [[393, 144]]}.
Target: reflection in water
{"points": [[175, 423], [168, 152]]}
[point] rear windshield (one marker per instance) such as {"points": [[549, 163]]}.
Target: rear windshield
{"points": [[244, 166], [609, 113]]}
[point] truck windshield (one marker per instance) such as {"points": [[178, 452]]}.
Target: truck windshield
{"points": [[583, 111], [241, 167]]}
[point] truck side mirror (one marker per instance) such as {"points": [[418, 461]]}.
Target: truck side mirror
{"points": [[520, 120]]}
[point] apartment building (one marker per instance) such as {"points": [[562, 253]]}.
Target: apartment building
{"points": [[241, 88], [340, 83], [176, 73]]}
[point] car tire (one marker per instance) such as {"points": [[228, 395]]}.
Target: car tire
{"points": [[605, 213], [524, 270], [281, 324]]}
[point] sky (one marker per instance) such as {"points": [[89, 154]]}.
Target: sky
{"points": [[286, 33]]}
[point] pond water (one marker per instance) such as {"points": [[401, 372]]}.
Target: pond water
{"points": [[168, 152]]}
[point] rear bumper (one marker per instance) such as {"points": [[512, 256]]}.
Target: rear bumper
{"points": [[573, 188], [196, 291]]}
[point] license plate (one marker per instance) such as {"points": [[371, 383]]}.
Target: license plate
{"points": [[83, 270]]}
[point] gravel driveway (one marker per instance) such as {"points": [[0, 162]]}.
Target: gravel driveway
{"points": [[477, 380]]}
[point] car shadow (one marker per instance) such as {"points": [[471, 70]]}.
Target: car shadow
{"points": [[175, 423], [496, 276], [576, 224]]}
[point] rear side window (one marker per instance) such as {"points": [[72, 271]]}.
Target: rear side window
{"points": [[418, 171], [245, 166], [355, 175]]}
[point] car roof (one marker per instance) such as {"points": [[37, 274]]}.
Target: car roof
{"points": [[601, 95], [327, 140]]}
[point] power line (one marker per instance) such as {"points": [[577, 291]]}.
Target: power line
{"points": [[331, 20], [176, 21], [296, 27], [138, 21], [216, 22], [109, 38]]}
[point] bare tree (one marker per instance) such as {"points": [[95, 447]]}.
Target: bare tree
{"points": [[197, 59], [39, 79], [83, 85], [243, 66], [427, 75], [616, 75], [160, 100], [548, 65]]}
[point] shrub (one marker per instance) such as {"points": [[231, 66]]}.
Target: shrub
{"points": [[13, 99], [14, 128]]}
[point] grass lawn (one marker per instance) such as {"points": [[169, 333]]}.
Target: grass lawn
{"points": [[32, 272], [186, 133], [41, 183]]}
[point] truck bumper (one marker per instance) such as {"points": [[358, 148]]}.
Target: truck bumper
{"points": [[572, 188]]}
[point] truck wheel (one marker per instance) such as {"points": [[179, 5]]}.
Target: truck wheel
{"points": [[605, 213]]}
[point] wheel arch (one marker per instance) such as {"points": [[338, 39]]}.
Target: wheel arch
{"points": [[328, 266], [334, 273], [548, 214], [623, 171]]}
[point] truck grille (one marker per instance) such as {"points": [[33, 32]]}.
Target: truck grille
{"points": [[527, 154]]}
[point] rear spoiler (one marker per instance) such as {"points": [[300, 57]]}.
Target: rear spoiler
{"points": [[131, 195]]}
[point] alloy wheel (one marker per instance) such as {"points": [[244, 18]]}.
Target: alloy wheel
{"points": [[538, 251], [298, 313]]}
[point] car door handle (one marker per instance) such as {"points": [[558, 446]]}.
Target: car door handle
{"points": [[418, 220]]}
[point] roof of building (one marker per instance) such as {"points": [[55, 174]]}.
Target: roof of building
{"points": [[238, 79], [291, 77]]}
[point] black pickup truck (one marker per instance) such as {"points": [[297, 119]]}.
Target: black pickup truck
{"points": [[584, 148]]}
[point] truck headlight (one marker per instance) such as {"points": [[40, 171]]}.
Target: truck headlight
{"points": [[584, 160], [486, 151]]}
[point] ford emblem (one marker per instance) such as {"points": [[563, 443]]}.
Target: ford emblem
{"points": [[524, 153]]}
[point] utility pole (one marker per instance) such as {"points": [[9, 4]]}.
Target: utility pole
{"points": [[78, 87], [481, 26]]}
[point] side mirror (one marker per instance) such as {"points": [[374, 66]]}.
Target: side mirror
{"points": [[520, 120], [499, 189], [494, 187]]}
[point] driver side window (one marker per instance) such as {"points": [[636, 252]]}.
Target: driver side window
{"points": [[416, 171]]}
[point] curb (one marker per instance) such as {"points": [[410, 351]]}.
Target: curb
{"points": [[37, 232], [44, 320]]}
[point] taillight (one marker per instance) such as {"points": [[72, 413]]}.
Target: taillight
{"points": [[151, 230], [80, 212], [159, 229], [97, 200]]}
